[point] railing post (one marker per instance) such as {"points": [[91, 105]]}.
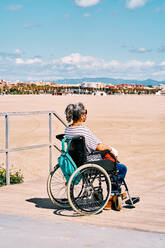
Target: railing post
{"points": [[50, 142], [7, 152], [9, 149]]}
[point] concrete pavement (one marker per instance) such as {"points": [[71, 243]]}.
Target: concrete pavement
{"points": [[25, 232]]}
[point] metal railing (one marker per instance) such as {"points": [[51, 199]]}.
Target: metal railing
{"points": [[8, 149]]}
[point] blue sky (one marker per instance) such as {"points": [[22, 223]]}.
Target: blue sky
{"points": [[56, 39]]}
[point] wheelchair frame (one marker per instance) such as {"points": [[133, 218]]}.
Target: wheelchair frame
{"points": [[92, 192]]}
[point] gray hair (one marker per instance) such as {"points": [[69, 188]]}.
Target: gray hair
{"points": [[74, 111]]}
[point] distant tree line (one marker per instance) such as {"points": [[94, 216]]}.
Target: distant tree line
{"points": [[22, 89]]}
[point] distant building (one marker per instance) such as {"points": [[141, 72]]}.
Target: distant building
{"points": [[162, 89], [2, 83], [40, 83], [99, 93], [132, 86], [96, 85]]}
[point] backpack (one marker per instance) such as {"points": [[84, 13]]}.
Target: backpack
{"points": [[65, 161]]}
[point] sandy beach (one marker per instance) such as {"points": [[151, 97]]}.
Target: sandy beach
{"points": [[134, 125]]}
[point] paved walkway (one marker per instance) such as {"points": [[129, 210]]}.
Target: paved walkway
{"points": [[40, 233], [30, 199]]}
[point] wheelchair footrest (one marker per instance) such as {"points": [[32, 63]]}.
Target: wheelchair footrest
{"points": [[134, 200]]}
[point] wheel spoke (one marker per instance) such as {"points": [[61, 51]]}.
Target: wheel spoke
{"points": [[90, 195], [57, 188]]}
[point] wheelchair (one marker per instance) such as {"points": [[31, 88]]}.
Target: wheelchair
{"points": [[90, 186]]}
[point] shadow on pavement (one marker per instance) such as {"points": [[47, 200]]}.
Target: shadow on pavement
{"points": [[42, 203], [46, 203], [66, 213]]}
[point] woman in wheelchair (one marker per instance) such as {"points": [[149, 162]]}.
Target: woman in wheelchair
{"points": [[76, 115]]}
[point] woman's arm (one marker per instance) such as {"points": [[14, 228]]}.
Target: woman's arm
{"points": [[102, 147]]}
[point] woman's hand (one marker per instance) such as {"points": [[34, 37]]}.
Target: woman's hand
{"points": [[114, 151], [102, 147]]}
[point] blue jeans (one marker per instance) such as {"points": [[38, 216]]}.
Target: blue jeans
{"points": [[122, 169]]}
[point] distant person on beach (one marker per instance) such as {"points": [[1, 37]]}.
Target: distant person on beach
{"points": [[76, 114]]}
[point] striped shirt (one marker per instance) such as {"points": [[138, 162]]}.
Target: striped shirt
{"points": [[91, 141]]}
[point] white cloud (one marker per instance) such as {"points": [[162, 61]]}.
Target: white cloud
{"points": [[14, 7], [159, 73], [162, 63], [114, 68], [143, 50], [17, 52], [139, 64], [8, 56], [20, 61], [133, 4], [75, 59], [76, 65], [140, 50], [86, 3]]}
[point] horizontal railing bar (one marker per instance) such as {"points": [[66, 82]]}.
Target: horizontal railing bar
{"points": [[28, 147], [34, 113], [28, 113], [50, 144]]}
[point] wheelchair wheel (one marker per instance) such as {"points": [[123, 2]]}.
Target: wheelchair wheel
{"points": [[89, 189], [117, 203], [57, 188]]}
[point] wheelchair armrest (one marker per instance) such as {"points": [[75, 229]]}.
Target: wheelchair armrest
{"points": [[96, 152], [60, 136], [103, 153], [77, 137]]}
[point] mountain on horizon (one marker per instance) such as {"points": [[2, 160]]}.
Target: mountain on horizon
{"points": [[147, 82]]}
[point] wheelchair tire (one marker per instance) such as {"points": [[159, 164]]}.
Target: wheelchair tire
{"points": [[57, 188], [89, 189], [117, 203]]}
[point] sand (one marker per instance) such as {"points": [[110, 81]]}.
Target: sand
{"points": [[134, 125]]}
